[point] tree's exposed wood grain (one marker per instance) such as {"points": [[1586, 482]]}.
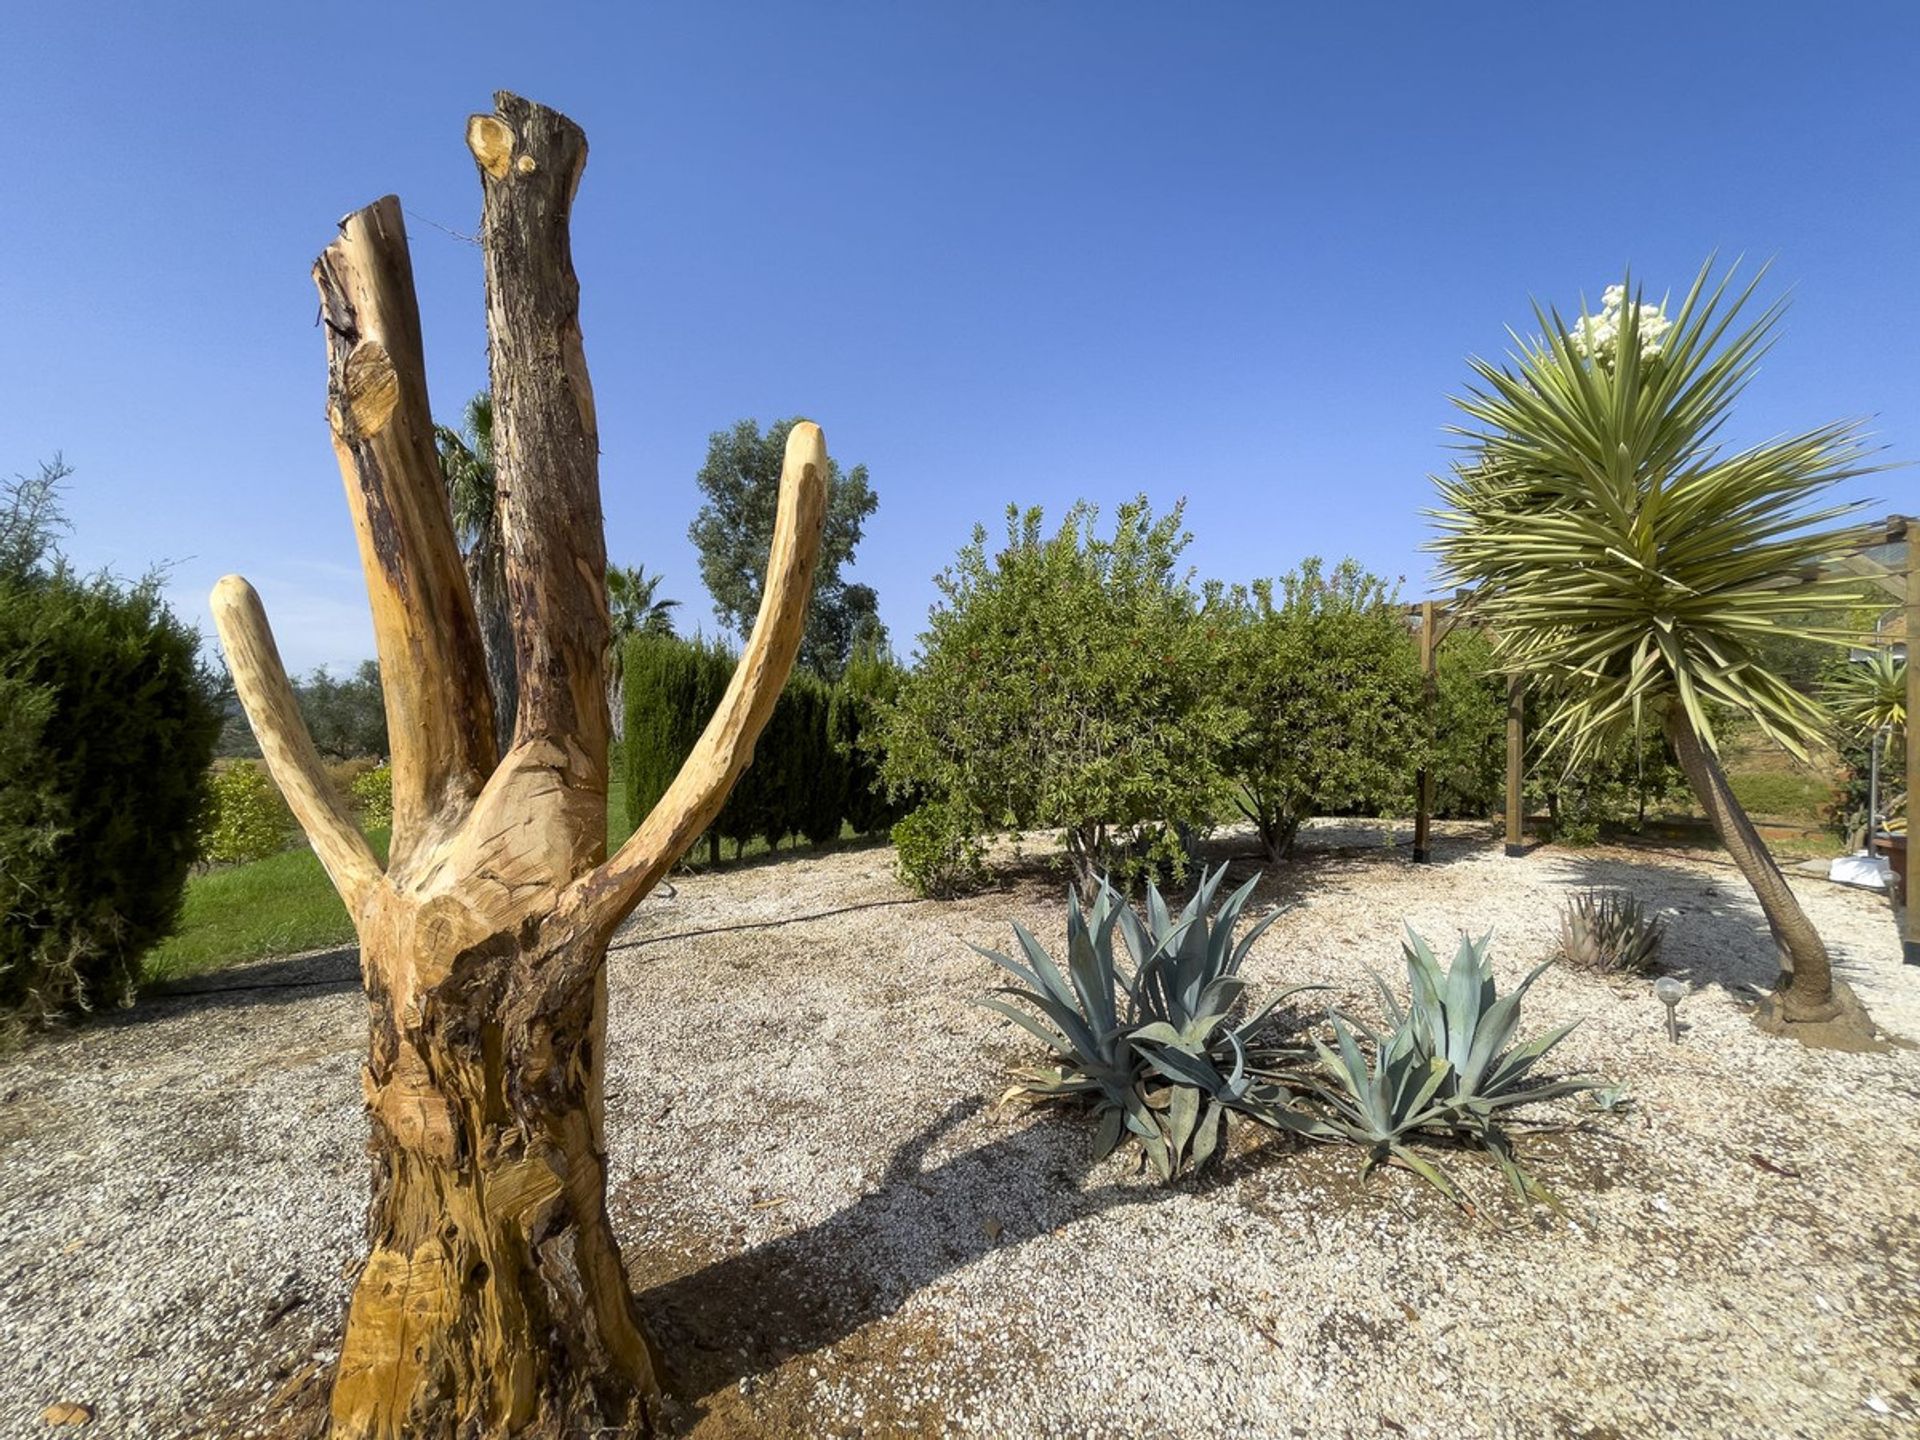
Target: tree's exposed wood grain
{"points": [[493, 1300], [432, 670], [267, 696], [546, 442]]}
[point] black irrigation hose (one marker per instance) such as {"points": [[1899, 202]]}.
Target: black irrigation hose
{"points": [[634, 944]]}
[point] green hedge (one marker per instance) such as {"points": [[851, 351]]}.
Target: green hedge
{"points": [[107, 727], [812, 773]]}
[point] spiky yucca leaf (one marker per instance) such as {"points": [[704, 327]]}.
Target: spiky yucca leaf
{"points": [[1610, 931], [1618, 550], [1868, 695]]}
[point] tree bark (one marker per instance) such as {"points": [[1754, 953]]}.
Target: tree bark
{"points": [[493, 1300], [1806, 995]]}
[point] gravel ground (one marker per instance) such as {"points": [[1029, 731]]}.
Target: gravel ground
{"points": [[834, 1231]]}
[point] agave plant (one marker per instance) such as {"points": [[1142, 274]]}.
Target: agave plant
{"points": [[1447, 1066], [1621, 554], [1165, 1050], [1611, 931]]}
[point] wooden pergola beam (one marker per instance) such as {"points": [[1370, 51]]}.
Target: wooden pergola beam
{"points": [[1910, 922]]}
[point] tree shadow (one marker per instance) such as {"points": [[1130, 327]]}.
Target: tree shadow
{"points": [[284, 980], [796, 1294]]}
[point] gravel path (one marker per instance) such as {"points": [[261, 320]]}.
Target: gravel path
{"points": [[834, 1232]]}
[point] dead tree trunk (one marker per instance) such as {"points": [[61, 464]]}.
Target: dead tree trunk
{"points": [[493, 1300]]}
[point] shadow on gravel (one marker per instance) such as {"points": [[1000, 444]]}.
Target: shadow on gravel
{"points": [[284, 981], [1716, 935], [749, 1313]]}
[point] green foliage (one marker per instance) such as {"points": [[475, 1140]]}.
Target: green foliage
{"points": [[1155, 1048], [937, 850], [800, 781], [734, 532], [1447, 1066], [347, 718], [1787, 795], [1330, 682], [1617, 549], [466, 468], [635, 605], [870, 683], [1621, 781], [245, 818], [372, 794], [1467, 741], [107, 725], [1612, 932], [1070, 681], [1867, 695]]}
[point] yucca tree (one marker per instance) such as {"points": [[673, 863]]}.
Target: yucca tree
{"points": [[635, 608], [1869, 695], [466, 465], [1629, 562]]}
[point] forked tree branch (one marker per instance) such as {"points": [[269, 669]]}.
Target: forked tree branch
{"points": [[546, 442], [606, 896], [267, 696], [432, 669]]}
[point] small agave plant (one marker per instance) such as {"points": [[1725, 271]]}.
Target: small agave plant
{"points": [[1611, 931], [1163, 1048], [1447, 1066]]}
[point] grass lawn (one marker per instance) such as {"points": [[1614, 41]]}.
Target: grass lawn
{"points": [[275, 906], [284, 904]]}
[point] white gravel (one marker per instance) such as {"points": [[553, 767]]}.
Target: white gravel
{"points": [[834, 1231]]}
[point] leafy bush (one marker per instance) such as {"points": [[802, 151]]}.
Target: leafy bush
{"points": [[245, 817], [870, 683], [1446, 1067], [372, 794], [1157, 1050], [1330, 682], [937, 852], [1070, 681], [1467, 743], [1610, 931], [107, 725]]}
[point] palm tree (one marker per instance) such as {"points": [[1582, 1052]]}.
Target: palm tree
{"points": [[635, 609], [466, 463], [1629, 562]]}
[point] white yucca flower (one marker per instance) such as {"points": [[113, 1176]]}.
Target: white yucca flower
{"points": [[1597, 337]]}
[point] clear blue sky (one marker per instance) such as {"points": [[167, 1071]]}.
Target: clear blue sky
{"points": [[1034, 251]]}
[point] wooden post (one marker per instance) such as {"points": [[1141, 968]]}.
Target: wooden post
{"points": [[493, 1299], [1423, 781], [1910, 931], [1516, 765]]}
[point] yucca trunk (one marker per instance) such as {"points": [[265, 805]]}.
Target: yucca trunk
{"points": [[493, 1300], [1805, 992]]}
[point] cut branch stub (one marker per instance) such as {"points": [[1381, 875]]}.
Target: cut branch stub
{"points": [[546, 443], [267, 696], [432, 669], [724, 749]]}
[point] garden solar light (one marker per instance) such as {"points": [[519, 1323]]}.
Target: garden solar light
{"points": [[1670, 992]]}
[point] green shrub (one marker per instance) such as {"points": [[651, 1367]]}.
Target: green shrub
{"points": [[1468, 740], [245, 817], [372, 794], [1070, 681], [107, 726], [1330, 681], [870, 683], [938, 852]]}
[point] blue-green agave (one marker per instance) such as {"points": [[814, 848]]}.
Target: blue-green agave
{"points": [[1164, 1049]]}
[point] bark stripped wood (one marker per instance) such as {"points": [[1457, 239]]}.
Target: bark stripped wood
{"points": [[268, 698], [1430, 698], [432, 671], [493, 1300], [1909, 533], [1516, 766]]}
